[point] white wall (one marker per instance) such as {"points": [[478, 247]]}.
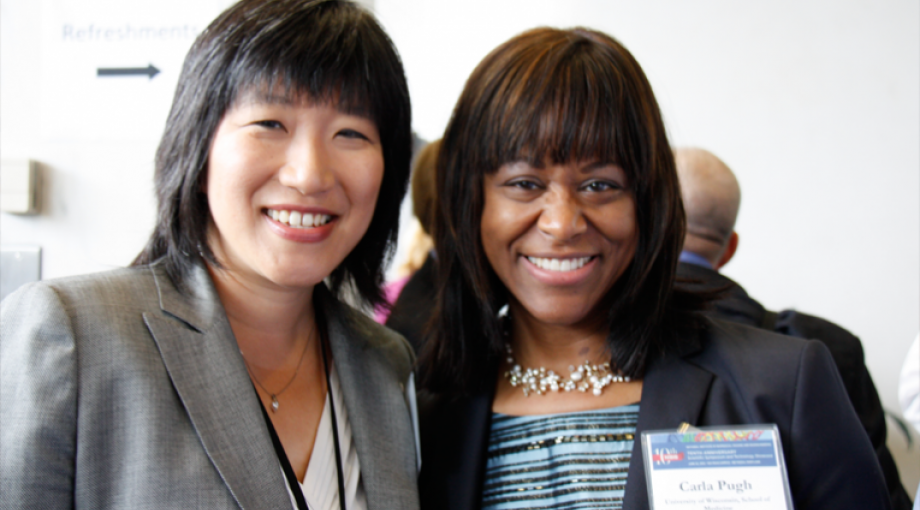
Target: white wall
{"points": [[94, 138], [814, 104]]}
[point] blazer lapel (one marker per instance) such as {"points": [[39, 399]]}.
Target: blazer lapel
{"points": [[207, 371], [468, 478], [673, 392], [455, 440], [377, 409]]}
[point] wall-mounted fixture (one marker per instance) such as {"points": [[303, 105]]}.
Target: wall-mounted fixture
{"points": [[19, 265], [19, 186]]}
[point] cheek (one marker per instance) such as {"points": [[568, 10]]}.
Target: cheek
{"points": [[487, 237], [618, 225], [228, 190], [363, 185], [627, 230], [234, 173], [216, 189], [504, 222], [492, 234]]}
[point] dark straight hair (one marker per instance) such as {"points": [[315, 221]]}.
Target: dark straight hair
{"points": [[554, 96], [324, 51]]}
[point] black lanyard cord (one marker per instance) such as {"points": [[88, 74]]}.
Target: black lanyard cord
{"points": [[321, 324], [296, 491], [293, 483]]}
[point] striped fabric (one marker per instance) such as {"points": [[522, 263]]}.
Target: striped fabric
{"points": [[562, 461]]}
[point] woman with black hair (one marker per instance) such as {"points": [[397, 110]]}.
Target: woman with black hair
{"points": [[559, 336], [223, 369]]}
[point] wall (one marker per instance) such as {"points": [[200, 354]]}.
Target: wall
{"points": [[814, 104], [93, 137]]}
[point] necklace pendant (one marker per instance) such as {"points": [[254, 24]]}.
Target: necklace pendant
{"points": [[274, 404]]}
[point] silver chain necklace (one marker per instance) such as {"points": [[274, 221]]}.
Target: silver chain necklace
{"points": [[581, 378], [275, 396]]}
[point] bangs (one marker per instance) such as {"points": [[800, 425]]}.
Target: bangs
{"points": [[286, 91], [559, 105], [330, 63]]}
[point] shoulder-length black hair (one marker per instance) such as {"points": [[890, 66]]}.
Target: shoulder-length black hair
{"points": [[556, 96], [324, 50]]}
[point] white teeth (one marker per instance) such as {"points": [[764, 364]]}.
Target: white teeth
{"points": [[297, 219], [560, 265]]}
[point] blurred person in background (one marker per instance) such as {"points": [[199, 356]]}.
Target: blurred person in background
{"points": [[414, 307], [712, 198], [909, 393]]}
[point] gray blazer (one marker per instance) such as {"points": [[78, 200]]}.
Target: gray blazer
{"points": [[118, 391]]}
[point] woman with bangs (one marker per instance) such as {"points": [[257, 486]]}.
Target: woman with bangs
{"points": [[560, 336], [223, 369]]}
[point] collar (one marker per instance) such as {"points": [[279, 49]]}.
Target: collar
{"points": [[697, 260]]}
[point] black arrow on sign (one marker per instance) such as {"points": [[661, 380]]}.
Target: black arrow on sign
{"points": [[150, 71]]}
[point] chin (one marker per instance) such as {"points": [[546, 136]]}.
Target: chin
{"points": [[559, 314], [292, 280]]}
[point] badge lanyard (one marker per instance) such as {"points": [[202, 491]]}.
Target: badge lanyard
{"points": [[279, 449]]}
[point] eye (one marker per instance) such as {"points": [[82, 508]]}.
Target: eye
{"points": [[600, 186], [269, 124], [524, 184], [352, 134]]}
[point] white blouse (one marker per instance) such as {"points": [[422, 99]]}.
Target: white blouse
{"points": [[320, 485]]}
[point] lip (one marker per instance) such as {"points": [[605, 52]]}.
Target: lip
{"points": [[301, 235], [300, 209], [559, 278]]}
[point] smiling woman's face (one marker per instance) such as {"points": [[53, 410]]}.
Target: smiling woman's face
{"points": [[292, 188], [559, 237]]}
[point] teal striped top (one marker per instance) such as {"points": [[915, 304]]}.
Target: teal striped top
{"points": [[562, 461]]}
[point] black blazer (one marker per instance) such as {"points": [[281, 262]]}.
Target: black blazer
{"points": [[736, 305], [726, 374]]}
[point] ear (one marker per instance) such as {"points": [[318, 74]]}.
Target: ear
{"points": [[729, 251]]}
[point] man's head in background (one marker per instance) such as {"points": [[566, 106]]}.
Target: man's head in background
{"points": [[711, 199]]}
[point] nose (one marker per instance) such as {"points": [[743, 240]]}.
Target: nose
{"points": [[308, 167], [562, 217]]}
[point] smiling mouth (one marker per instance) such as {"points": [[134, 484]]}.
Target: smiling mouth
{"points": [[560, 265], [296, 219]]}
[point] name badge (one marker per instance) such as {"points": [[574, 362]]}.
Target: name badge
{"points": [[716, 468]]}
